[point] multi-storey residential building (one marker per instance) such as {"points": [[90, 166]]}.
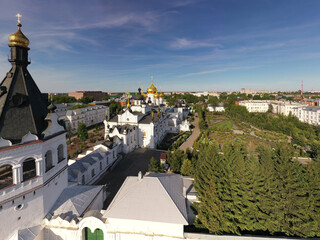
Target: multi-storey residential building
{"points": [[308, 114], [278, 107], [89, 116], [284, 107]]}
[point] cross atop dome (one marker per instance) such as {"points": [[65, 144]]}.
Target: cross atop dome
{"points": [[19, 16]]}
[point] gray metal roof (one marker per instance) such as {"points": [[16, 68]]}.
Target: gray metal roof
{"points": [[82, 165], [157, 197], [75, 200]]}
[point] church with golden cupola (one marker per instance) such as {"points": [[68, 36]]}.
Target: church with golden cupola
{"points": [[153, 96]]}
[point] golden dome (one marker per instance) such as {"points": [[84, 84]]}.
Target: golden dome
{"points": [[156, 95], [152, 89], [161, 95], [18, 38]]}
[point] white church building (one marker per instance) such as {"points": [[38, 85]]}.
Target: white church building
{"points": [[145, 124]]}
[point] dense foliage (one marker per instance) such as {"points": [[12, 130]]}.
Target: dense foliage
{"points": [[175, 159], [78, 106], [86, 99], [155, 166], [63, 99], [189, 98], [265, 194], [114, 108], [302, 134]]}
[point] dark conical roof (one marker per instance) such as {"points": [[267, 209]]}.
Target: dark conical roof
{"points": [[22, 106], [139, 96]]}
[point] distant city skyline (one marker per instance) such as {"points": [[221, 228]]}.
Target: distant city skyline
{"points": [[187, 45]]}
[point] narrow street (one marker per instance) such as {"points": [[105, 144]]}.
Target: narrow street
{"points": [[130, 165], [193, 137]]}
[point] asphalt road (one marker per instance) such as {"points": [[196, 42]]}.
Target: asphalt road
{"points": [[130, 165]]}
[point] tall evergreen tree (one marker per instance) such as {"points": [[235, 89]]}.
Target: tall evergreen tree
{"points": [[187, 168], [210, 208], [82, 132]]}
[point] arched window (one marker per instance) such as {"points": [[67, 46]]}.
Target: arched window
{"points": [[60, 153], [6, 178], [48, 160], [29, 169]]}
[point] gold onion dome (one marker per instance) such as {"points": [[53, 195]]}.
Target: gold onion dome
{"points": [[18, 38], [161, 95], [152, 89], [156, 95]]}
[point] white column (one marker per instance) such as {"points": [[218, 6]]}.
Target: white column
{"points": [[17, 174], [38, 166]]}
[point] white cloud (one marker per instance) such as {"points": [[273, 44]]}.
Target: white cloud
{"points": [[220, 70], [183, 43]]}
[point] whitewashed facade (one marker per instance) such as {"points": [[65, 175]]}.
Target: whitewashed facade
{"points": [[308, 114], [90, 166], [91, 115]]}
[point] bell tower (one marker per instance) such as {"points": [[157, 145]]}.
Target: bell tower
{"points": [[33, 149]]}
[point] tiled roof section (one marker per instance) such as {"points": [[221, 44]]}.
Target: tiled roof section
{"points": [[155, 198], [22, 106], [75, 200], [163, 156]]}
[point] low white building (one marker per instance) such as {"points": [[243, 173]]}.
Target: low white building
{"points": [[89, 167], [90, 115], [256, 105], [218, 108], [154, 204]]}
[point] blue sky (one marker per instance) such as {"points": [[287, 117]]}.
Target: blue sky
{"points": [[187, 45]]}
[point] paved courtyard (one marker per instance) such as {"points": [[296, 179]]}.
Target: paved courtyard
{"points": [[130, 165]]}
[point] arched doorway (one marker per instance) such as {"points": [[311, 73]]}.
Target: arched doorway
{"points": [[96, 235]]}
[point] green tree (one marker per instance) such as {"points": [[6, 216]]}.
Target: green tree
{"points": [[63, 99], [175, 160], [86, 99], [155, 166], [114, 108], [187, 168], [82, 132], [210, 210]]}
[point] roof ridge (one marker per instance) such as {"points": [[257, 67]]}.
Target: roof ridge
{"points": [[171, 199]]}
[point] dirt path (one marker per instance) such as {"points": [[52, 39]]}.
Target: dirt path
{"points": [[193, 136]]}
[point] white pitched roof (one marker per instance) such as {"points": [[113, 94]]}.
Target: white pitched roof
{"points": [[156, 197]]}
